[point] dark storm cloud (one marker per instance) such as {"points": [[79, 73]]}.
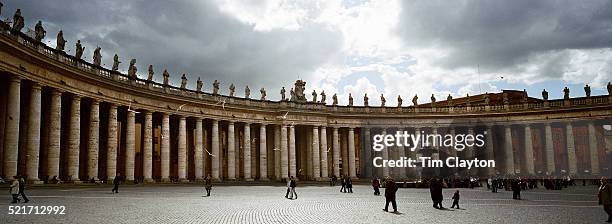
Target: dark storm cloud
{"points": [[499, 35], [186, 37]]}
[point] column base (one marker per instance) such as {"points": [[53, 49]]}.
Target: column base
{"points": [[184, 180], [74, 182], [149, 180], [264, 179], [249, 179], [231, 179], [35, 182], [166, 180], [199, 179]]}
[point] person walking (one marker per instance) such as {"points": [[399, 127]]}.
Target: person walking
{"points": [[22, 185], [116, 183], [208, 184], [376, 186], [15, 189], [455, 200], [288, 187], [293, 184], [349, 184], [605, 197], [435, 189], [390, 190], [343, 183]]}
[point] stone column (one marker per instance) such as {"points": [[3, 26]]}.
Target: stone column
{"points": [[147, 148], [324, 150], [93, 146], [490, 149], [367, 149], [277, 154], [453, 151], [508, 150], [11, 138], [336, 152], [54, 134], [401, 151], [182, 149], [165, 148], [469, 152], [316, 159], [351, 153], [593, 149], [308, 157], [263, 153], [111, 152], [231, 152], [571, 150], [292, 165], [529, 151], [550, 153], [130, 145], [247, 152], [385, 155], [33, 135], [284, 151], [215, 150], [74, 139]]}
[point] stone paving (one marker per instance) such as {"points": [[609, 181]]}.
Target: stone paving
{"points": [[316, 204]]}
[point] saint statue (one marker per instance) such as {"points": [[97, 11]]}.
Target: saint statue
{"points": [[449, 100], [151, 73], [487, 99], [433, 99], [183, 81], [132, 69], [39, 31], [199, 85], [282, 92], [544, 94], [609, 89], [415, 100], [505, 98], [587, 90], [365, 99], [335, 99], [525, 96], [97, 56], [263, 94], [18, 22], [232, 89], [350, 100], [399, 101], [79, 50], [314, 96], [116, 63], [468, 102], [60, 42], [566, 93], [215, 87], [323, 96], [292, 93], [383, 101], [247, 92], [166, 76]]}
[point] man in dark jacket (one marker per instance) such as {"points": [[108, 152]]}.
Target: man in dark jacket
{"points": [[605, 197], [376, 186], [22, 185], [390, 190], [516, 189], [116, 183], [435, 188]]}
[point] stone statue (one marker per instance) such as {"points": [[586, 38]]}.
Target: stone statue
{"points": [[39, 31], [199, 85], [350, 100], [449, 100], [166, 76], [525, 96], [292, 93], [314, 96], [232, 89], [132, 69], [587, 90], [415, 99], [60, 42], [335, 99], [183, 81], [263, 94], [433, 99], [505, 98], [323, 96], [215, 87], [365, 99], [468, 102], [79, 50], [247, 92], [151, 73], [18, 22], [399, 101], [1, 8], [116, 63], [282, 92], [566, 93], [383, 101], [544, 94], [609, 89], [487, 99], [97, 56], [298, 92]]}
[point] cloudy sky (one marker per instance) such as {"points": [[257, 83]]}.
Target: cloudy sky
{"points": [[341, 46]]}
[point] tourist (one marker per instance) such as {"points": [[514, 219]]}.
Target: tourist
{"points": [[455, 200], [293, 184], [208, 184], [15, 189], [22, 185], [288, 187], [376, 186], [435, 189], [333, 180], [116, 183], [343, 183], [349, 184], [390, 190], [516, 189], [605, 197]]}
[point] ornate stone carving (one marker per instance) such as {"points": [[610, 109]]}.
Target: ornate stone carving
{"points": [[232, 89], [350, 100], [39, 31], [400, 101], [566, 93], [314, 96], [247, 92], [166, 76], [78, 53], [335, 99], [132, 69], [544, 94], [263, 94], [282, 92], [183, 81], [215, 87], [116, 63], [365, 99], [18, 21], [97, 56], [199, 84], [60, 42], [298, 92], [415, 100], [151, 73], [323, 96], [587, 90]]}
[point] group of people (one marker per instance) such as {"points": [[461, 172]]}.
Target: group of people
{"points": [[347, 184], [291, 184], [18, 189]]}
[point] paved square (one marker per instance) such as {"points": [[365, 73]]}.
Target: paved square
{"points": [[316, 204]]}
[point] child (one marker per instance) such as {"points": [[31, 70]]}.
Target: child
{"points": [[456, 200]]}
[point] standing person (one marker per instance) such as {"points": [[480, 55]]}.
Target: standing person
{"points": [[15, 189], [516, 189], [390, 190], [455, 200], [343, 183], [288, 187], [349, 184], [293, 184], [605, 197], [22, 185], [116, 183], [435, 188], [376, 186], [208, 184]]}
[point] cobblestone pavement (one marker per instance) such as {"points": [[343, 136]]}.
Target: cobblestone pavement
{"points": [[316, 204]]}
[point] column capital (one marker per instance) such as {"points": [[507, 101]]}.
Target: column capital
{"points": [[95, 101], [16, 79], [148, 112], [36, 85], [76, 97]]}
